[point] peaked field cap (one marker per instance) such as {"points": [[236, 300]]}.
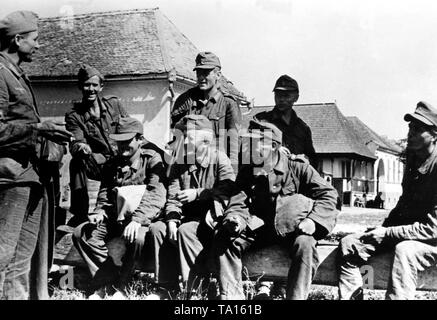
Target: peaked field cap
{"points": [[286, 83], [424, 113], [126, 129], [207, 60], [261, 129], [19, 22], [86, 72], [194, 121]]}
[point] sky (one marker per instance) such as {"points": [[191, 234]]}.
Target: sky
{"points": [[376, 58]]}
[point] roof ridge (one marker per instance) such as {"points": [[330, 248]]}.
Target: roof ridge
{"points": [[162, 44], [101, 13]]}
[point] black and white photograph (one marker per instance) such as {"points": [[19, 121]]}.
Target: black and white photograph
{"points": [[205, 150]]}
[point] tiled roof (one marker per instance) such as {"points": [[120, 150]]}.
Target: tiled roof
{"points": [[331, 131], [118, 43], [368, 135]]}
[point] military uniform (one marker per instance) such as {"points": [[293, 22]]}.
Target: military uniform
{"points": [[221, 109], [95, 133], [24, 230], [411, 228], [146, 168], [281, 200], [213, 178]]}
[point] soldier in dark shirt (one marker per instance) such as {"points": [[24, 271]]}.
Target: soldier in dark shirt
{"points": [[212, 101], [296, 134], [91, 121]]}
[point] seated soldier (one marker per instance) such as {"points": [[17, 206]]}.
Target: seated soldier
{"points": [[131, 195], [91, 121], [200, 185], [410, 230], [289, 204]]}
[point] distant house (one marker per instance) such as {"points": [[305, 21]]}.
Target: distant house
{"points": [[355, 166], [388, 169], [145, 59]]}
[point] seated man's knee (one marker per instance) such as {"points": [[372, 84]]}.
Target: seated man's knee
{"points": [[304, 245], [406, 249]]}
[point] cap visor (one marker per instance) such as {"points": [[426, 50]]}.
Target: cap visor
{"points": [[122, 136], [415, 116], [285, 89], [204, 67]]}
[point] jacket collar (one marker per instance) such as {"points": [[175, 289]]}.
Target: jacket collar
{"points": [[12, 66], [277, 115]]}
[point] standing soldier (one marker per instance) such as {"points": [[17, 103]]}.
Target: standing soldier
{"points": [[91, 121], [24, 226], [209, 99], [296, 133], [289, 203]]}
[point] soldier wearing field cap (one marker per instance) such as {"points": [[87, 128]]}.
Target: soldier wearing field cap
{"points": [[24, 214], [199, 188], [210, 99], [281, 200], [91, 121], [296, 133], [410, 230], [131, 196]]}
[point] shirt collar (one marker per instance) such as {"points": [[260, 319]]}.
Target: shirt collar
{"points": [[214, 98], [277, 115], [103, 109]]}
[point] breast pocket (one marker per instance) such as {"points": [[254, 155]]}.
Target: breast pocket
{"points": [[218, 123]]}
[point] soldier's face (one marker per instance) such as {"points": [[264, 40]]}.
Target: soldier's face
{"points": [[207, 78], [198, 142], [262, 150], [91, 88], [420, 136], [128, 148], [285, 99], [27, 45]]}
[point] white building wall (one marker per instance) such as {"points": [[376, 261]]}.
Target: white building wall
{"points": [[393, 177]]}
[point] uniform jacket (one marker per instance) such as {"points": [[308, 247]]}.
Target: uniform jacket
{"points": [[18, 114], [214, 179], [415, 214], [263, 193], [147, 169], [296, 136], [95, 132], [221, 109]]}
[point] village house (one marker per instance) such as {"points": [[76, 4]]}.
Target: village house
{"points": [[147, 62]]}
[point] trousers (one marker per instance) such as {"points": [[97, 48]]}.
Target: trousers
{"points": [[409, 258]]}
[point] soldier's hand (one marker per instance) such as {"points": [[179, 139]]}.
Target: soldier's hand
{"points": [[131, 231], [54, 132], [96, 218], [172, 231], [83, 148], [307, 226], [232, 225], [187, 195], [375, 236]]}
